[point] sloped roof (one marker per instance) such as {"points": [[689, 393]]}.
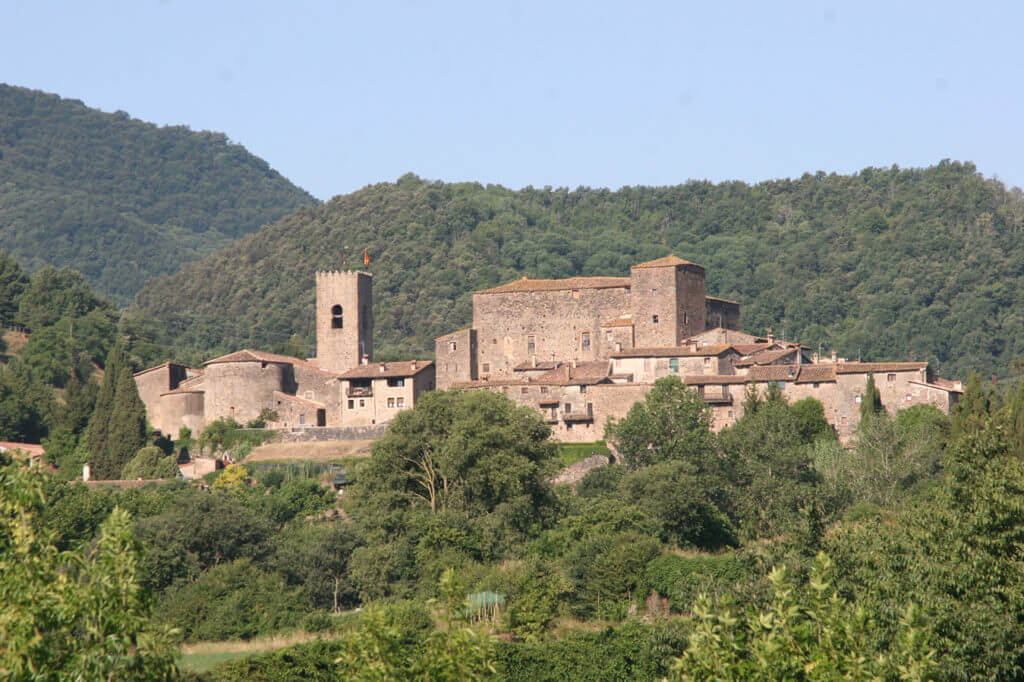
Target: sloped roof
{"points": [[667, 262], [525, 284], [459, 331], [721, 300], [766, 357], [387, 370], [591, 371], [816, 374], [774, 373], [153, 369], [750, 348], [254, 356], [865, 367], [706, 379], [672, 351]]}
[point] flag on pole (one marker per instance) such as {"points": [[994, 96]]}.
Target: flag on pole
{"points": [[366, 257]]}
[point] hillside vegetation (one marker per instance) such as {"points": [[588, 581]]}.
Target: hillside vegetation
{"points": [[923, 264], [122, 200]]}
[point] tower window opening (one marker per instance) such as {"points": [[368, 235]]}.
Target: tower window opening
{"points": [[337, 319]]}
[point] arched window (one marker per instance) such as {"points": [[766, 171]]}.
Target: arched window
{"points": [[337, 322]]}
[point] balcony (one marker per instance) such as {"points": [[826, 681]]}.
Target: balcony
{"points": [[579, 414], [360, 392], [716, 397]]}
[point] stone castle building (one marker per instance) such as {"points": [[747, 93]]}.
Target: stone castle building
{"points": [[585, 349], [341, 386]]}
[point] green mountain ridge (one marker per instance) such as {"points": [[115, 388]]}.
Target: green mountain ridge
{"points": [[887, 263], [122, 200]]}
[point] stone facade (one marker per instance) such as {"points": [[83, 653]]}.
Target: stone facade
{"points": [[311, 393], [582, 351]]}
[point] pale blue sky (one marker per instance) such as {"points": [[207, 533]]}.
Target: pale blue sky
{"points": [[337, 96]]}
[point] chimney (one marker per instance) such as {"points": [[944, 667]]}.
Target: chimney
{"points": [[771, 338], [835, 357], [413, 365], [574, 362], [365, 360], [533, 360], [86, 472], [618, 346], [383, 367]]}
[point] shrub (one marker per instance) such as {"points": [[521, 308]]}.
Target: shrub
{"points": [[683, 579]]}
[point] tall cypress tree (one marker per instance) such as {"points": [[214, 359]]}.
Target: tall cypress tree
{"points": [[103, 446], [126, 433], [871, 401]]}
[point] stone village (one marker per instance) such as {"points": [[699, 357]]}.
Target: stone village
{"points": [[579, 351]]}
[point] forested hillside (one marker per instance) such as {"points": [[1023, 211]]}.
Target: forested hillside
{"points": [[122, 200], [924, 264]]}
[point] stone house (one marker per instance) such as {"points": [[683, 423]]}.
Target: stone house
{"points": [[583, 350], [301, 393]]}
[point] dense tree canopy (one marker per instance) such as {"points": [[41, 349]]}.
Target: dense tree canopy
{"points": [[887, 263], [119, 199]]}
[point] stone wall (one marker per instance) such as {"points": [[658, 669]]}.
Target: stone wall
{"points": [[341, 348], [321, 388], [331, 433], [721, 313], [455, 358], [185, 408], [154, 382], [241, 390], [667, 304], [556, 321]]}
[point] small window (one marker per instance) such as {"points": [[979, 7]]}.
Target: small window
{"points": [[842, 420], [487, 367], [816, 384], [575, 293], [673, 364], [654, 292], [362, 402], [531, 345], [351, 404], [309, 395], [400, 402], [543, 389], [396, 383], [585, 340], [391, 402], [730, 414], [909, 398], [337, 319], [857, 400], [684, 317], [568, 426], [568, 408], [890, 378], [583, 388], [707, 362], [452, 346], [494, 342], [302, 419], [524, 389], [654, 319]]}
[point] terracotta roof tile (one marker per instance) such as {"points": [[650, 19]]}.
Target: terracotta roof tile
{"points": [[865, 367], [766, 357], [249, 355], [673, 352], [385, 370], [816, 374], [749, 348], [705, 379], [774, 373], [722, 300], [666, 262], [460, 331], [525, 284]]}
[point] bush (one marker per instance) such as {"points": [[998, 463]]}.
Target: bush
{"points": [[683, 579], [630, 652], [150, 463]]}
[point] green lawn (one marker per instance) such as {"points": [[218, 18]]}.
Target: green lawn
{"points": [[570, 453], [201, 662]]}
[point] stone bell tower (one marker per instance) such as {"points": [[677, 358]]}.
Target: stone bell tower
{"points": [[344, 319]]}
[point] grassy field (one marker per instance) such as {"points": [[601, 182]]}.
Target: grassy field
{"points": [[570, 453], [311, 452], [202, 656]]}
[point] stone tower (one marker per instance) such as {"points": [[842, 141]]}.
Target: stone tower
{"points": [[344, 319], [667, 296]]}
